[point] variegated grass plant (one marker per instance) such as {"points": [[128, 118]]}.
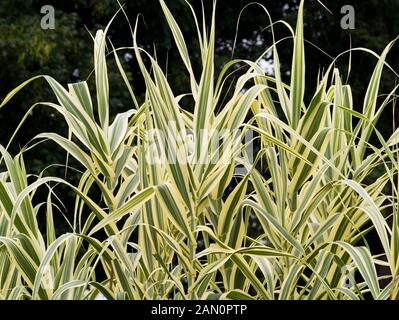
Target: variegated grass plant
{"points": [[182, 229]]}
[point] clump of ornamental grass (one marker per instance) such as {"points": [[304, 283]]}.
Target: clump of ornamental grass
{"points": [[180, 189]]}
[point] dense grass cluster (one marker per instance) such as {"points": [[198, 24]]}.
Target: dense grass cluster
{"points": [[181, 229]]}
